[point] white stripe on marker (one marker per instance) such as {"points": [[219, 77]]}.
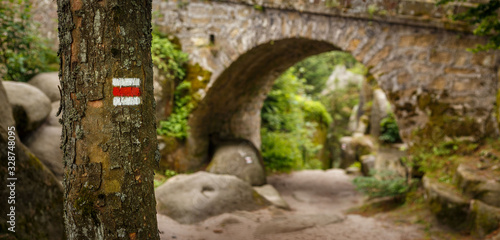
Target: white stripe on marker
{"points": [[125, 82], [126, 101]]}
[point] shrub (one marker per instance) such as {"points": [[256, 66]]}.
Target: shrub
{"points": [[289, 120], [316, 112], [280, 152], [389, 131], [168, 57], [386, 184], [22, 52], [176, 124], [171, 62]]}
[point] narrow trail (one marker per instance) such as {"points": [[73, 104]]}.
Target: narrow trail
{"points": [[318, 200]]}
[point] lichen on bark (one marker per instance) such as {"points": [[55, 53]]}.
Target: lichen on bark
{"points": [[109, 151]]}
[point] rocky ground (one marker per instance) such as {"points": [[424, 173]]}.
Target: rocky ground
{"points": [[319, 201]]}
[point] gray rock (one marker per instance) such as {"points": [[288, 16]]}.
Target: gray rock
{"points": [[340, 78], [164, 94], [449, 206], [485, 218], [389, 160], [6, 118], [52, 119], [380, 109], [272, 195], [44, 143], [353, 119], [479, 185], [347, 152], [352, 148], [295, 223], [39, 196], [47, 83], [193, 198], [367, 164], [30, 106], [362, 125], [242, 160]]}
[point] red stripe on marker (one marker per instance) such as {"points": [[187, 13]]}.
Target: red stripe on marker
{"points": [[126, 92]]}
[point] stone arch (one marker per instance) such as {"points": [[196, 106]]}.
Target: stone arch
{"points": [[231, 108], [425, 70]]}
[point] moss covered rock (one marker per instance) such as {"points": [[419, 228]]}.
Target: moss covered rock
{"points": [[484, 218], [449, 206], [242, 160], [479, 184], [38, 195]]}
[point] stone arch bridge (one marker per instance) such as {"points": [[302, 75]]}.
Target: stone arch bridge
{"points": [[417, 57]]}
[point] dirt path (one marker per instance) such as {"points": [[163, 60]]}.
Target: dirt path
{"points": [[318, 200]]}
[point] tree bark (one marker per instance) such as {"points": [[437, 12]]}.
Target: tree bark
{"points": [[109, 137]]}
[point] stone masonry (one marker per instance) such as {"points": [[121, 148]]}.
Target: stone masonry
{"points": [[423, 66], [417, 56]]}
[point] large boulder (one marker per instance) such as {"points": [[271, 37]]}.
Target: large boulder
{"points": [[242, 160], [347, 152], [449, 206], [193, 198], [367, 164], [352, 148], [389, 160], [30, 106], [47, 83], [38, 195], [45, 144], [484, 218], [479, 183]]}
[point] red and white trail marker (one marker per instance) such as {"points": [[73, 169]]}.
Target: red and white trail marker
{"points": [[126, 91]]}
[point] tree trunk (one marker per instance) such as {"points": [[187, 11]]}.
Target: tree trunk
{"points": [[109, 137]]}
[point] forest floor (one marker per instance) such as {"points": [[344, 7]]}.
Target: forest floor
{"points": [[324, 205]]}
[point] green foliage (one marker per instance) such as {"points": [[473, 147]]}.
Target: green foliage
{"points": [[258, 7], [280, 153], [316, 112], [486, 20], [439, 159], [293, 116], [340, 103], [168, 57], [177, 123], [389, 130], [171, 62], [316, 69], [22, 52], [387, 184], [289, 120], [162, 178], [332, 3], [170, 173]]}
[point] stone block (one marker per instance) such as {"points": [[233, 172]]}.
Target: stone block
{"points": [[484, 218], [449, 206]]}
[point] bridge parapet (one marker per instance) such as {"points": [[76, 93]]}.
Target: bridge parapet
{"points": [[424, 13]]}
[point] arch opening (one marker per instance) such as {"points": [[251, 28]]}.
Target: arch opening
{"points": [[231, 108]]}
